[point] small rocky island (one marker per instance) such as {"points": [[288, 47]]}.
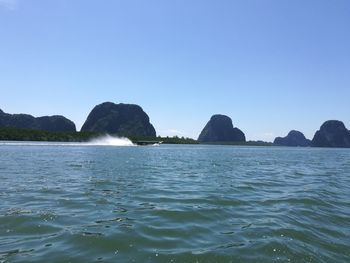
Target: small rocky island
{"points": [[54, 123], [332, 133], [294, 138], [220, 129], [120, 119]]}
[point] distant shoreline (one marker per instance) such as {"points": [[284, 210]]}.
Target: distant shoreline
{"points": [[30, 135]]}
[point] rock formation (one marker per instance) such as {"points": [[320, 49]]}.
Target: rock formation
{"points": [[332, 133], [294, 138], [120, 119], [47, 123], [220, 129]]}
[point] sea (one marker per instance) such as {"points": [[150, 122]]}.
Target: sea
{"points": [[112, 201]]}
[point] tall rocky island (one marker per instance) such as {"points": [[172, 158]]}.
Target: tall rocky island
{"points": [[332, 133], [120, 119], [294, 138], [220, 129], [54, 123]]}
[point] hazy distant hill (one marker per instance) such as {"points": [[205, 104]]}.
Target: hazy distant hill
{"points": [[294, 138], [220, 129]]}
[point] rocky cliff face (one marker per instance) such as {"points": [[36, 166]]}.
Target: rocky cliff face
{"points": [[47, 123], [120, 119], [332, 133], [294, 138], [220, 129]]}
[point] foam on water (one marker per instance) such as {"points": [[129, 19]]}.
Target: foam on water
{"points": [[108, 140]]}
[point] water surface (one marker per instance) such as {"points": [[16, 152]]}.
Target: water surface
{"points": [[62, 203]]}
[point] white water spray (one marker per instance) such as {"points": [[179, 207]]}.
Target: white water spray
{"points": [[106, 140], [109, 140]]}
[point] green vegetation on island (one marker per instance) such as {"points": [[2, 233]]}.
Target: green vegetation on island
{"points": [[165, 140], [16, 134], [247, 143], [177, 140]]}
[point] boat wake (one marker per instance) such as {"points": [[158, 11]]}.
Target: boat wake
{"points": [[106, 140], [109, 140]]}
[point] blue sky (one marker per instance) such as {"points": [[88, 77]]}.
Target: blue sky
{"points": [[271, 65]]}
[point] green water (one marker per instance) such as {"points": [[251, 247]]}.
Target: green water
{"points": [[75, 203]]}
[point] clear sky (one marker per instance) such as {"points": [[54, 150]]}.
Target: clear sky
{"points": [[271, 65]]}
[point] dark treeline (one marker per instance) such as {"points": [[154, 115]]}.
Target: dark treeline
{"points": [[15, 134], [247, 143]]}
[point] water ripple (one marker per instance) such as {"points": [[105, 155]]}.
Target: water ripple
{"points": [[174, 204]]}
